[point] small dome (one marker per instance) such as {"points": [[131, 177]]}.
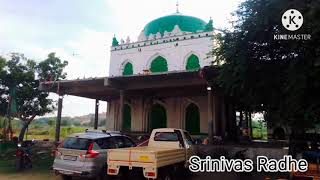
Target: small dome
{"points": [[167, 23]]}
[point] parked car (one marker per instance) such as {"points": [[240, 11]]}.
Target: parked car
{"points": [[85, 154], [166, 155]]}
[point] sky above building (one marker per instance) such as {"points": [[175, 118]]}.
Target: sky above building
{"points": [[81, 31]]}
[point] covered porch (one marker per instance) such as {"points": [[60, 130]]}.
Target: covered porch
{"points": [[217, 112]]}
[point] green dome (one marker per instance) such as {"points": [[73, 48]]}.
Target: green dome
{"points": [[167, 23]]}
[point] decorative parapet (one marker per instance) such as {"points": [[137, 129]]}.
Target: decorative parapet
{"points": [[156, 39]]}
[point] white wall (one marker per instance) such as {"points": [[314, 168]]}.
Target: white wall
{"points": [[176, 56]]}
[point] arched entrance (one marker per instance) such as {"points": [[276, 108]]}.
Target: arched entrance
{"points": [[126, 125], [128, 69], [193, 63], [158, 117], [158, 65], [192, 119]]}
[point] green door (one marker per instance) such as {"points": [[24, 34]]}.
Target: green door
{"points": [[128, 69], [158, 65], [158, 117], [193, 63], [193, 119], [126, 117]]}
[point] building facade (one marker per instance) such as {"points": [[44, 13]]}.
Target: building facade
{"points": [[170, 44]]}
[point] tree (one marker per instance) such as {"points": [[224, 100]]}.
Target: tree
{"points": [[281, 77], [24, 75], [3, 104]]}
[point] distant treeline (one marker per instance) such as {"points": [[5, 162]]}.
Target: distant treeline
{"points": [[66, 121]]}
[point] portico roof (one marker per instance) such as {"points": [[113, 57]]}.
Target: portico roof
{"points": [[174, 83]]}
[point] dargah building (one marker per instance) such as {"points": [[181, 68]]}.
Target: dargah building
{"points": [[162, 79]]}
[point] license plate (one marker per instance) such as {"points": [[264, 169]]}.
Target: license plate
{"points": [[70, 158]]}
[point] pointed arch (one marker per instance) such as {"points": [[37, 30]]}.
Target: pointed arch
{"points": [[192, 63], [158, 64], [192, 119], [127, 69], [158, 117]]}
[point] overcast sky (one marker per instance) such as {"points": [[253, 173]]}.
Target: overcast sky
{"points": [[81, 31]]}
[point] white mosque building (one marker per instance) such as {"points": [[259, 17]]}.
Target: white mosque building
{"points": [[170, 44], [161, 80]]}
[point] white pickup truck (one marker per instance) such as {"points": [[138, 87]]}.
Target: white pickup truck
{"points": [[168, 150]]}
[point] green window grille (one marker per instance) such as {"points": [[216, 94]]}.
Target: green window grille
{"points": [[126, 117], [159, 64], [158, 117], [193, 63], [193, 119], [128, 69]]}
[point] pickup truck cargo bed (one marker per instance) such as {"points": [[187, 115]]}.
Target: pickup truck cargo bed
{"points": [[146, 156]]}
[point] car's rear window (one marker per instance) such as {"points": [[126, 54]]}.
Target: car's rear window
{"points": [[76, 143], [166, 136]]}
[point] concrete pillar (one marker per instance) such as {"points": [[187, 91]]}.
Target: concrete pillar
{"points": [[210, 116], [121, 108], [58, 122], [96, 114]]}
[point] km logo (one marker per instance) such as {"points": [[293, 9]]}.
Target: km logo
{"points": [[292, 19]]}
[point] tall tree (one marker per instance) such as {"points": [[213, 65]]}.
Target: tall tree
{"points": [[24, 75], [281, 77]]}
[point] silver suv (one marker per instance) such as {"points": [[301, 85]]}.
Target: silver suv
{"points": [[85, 154]]}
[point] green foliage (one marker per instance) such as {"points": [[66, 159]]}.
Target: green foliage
{"points": [[24, 75], [281, 77]]}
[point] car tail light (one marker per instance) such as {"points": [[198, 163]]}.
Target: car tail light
{"points": [[92, 153], [112, 171], [150, 174]]}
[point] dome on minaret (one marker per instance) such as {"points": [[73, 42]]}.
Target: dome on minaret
{"points": [[168, 23]]}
